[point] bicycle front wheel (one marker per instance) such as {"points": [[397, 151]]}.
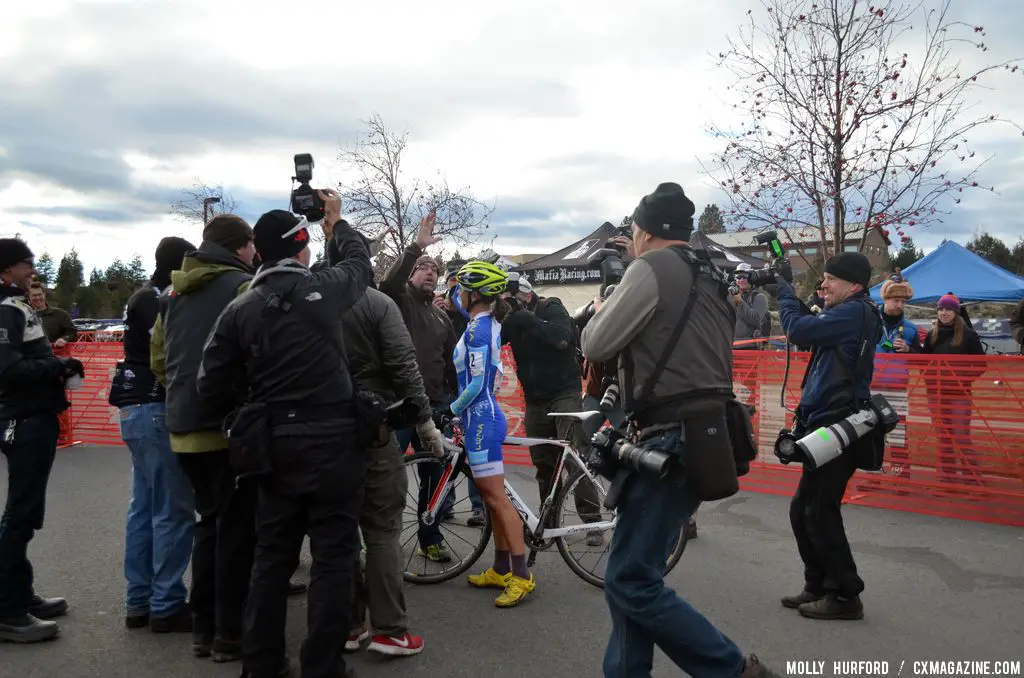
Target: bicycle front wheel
{"points": [[459, 544], [581, 495]]}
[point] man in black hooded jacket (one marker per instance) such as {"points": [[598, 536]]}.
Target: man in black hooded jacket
{"points": [[32, 382], [280, 344]]}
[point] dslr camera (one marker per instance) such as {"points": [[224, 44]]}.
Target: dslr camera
{"points": [[779, 266], [305, 200]]}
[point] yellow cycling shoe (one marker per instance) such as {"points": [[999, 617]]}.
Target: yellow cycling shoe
{"points": [[515, 591], [489, 579]]}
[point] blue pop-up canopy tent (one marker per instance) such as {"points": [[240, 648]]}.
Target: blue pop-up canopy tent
{"points": [[954, 268]]}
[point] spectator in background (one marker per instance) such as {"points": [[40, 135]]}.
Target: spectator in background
{"points": [[752, 318], [225, 536], [1017, 325], [161, 513], [57, 323], [32, 394], [950, 392], [410, 282], [899, 336]]}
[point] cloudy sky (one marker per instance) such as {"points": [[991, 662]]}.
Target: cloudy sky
{"points": [[560, 113]]}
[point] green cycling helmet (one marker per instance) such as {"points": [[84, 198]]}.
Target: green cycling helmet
{"points": [[483, 277]]}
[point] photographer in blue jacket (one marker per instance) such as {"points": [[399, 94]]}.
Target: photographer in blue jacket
{"points": [[842, 338]]}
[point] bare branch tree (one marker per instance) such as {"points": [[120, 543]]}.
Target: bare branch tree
{"points": [[381, 199], [843, 130], [190, 208]]}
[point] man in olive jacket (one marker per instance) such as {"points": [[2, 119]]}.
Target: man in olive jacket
{"points": [[383, 360], [225, 536]]}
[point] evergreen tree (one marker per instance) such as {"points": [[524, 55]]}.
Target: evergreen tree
{"points": [[45, 269], [70, 276], [711, 220], [905, 256]]}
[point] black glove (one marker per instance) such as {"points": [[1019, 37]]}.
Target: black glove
{"points": [[72, 366], [442, 417]]}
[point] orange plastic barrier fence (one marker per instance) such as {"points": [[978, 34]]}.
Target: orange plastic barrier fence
{"points": [[957, 452]]}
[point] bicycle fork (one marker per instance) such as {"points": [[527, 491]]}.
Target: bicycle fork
{"points": [[438, 496]]}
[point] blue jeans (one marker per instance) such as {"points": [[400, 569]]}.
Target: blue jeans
{"points": [[161, 516], [644, 611]]}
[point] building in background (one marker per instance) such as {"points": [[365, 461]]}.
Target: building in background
{"points": [[805, 245]]}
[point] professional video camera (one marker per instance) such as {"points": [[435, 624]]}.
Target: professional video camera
{"points": [[779, 266], [305, 200], [609, 259], [582, 315], [824, 444]]}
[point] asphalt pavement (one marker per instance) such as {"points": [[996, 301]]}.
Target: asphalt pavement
{"points": [[937, 589]]}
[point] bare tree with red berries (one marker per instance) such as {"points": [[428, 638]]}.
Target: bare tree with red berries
{"points": [[854, 117]]}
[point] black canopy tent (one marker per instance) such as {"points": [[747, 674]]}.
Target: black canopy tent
{"points": [[723, 257], [571, 265]]}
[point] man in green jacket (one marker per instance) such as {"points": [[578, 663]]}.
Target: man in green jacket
{"points": [[225, 535]]}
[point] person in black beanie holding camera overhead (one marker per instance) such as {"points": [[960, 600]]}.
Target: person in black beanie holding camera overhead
{"points": [[32, 394], [278, 352], [842, 338]]}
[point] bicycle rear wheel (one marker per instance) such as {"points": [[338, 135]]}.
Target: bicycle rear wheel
{"points": [[567, 501], [464, 543]]}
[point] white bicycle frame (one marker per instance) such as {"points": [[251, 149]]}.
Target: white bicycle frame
{"points": [[532, 522]]}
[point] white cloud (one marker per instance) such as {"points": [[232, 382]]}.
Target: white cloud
{"points": [[562, 114]]}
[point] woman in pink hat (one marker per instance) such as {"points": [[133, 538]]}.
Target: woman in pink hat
{"points": [[949, 391]]}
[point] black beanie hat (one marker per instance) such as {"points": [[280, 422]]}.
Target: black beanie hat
{"points": [[171, 251], [666, 213], [277, 236], [13, 251], [229, 231], [850, 266]]}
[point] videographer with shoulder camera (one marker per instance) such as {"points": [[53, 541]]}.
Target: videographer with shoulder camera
{"points": [[671, 324], [542, 337], [842, 338], [751, 311], [278, 352]]}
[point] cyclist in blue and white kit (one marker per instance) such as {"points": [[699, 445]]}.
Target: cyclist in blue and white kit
{"points": [[478, 365]]}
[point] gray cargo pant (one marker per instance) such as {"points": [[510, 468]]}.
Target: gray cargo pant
{"points": [[378, 585]]}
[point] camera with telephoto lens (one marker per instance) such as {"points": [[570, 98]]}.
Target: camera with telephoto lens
{"points": [[305, 200], [610, 452], [825, 443], [779, 265]]}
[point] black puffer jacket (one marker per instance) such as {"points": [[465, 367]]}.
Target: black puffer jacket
{"points": [[292, 356], [543, 345]]}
